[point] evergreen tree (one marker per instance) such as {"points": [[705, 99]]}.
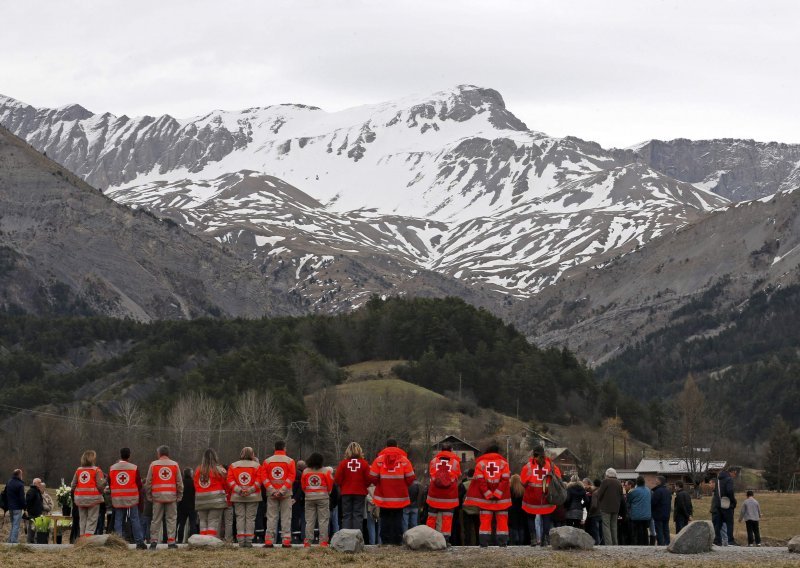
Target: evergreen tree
{"points": [[781, 459]]}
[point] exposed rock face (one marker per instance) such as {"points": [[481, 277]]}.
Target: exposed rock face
{"points": [[696, 538], [348, 540], [422, 537], [67, 249], [564, 538]]}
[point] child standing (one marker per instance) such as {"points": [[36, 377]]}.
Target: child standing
{"points": [[751, 514]]}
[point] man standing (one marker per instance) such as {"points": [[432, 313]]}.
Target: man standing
{"points": [[34, 507], [15, 495], [491, 493], [609, 498], [445, 471], [534, 477], [391, 473], [277, 476], [164, 487], [661, 505], [725, 500], [683, 509], [126, 487]]}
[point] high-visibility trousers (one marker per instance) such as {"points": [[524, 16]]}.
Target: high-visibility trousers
{"points": [[486, 522], [446, 524]]}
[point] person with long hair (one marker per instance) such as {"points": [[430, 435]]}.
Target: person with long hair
{"points": [[244, 483], [352, 477], [517, 518], [88, 485], [210, 493], [317, 484]]}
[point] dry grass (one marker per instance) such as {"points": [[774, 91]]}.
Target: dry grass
{"points": [[369, 370], [316, 558], [781, 513]]}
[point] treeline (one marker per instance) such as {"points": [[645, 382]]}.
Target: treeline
{"points": [[745, 358], [449, 345]]}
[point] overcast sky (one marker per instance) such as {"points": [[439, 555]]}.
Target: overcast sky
{"points": [[614, 71]]}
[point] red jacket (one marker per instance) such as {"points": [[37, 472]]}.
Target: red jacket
{"points": [[277, 474], [444, 497], [533, 478], [352, 476], [392, 473], [316, 483], [490, 489]]}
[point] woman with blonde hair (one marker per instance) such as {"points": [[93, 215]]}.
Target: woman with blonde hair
{"points": [[87, 485], [352, 477], [210, 493], [516, 516], [244, 484]]}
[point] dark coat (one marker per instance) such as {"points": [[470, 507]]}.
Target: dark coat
{"points": [[724, 489], [576, 501], [609, 495], [187, 504], [683, 505], [34, 503], [15, 489], [661, 503]]}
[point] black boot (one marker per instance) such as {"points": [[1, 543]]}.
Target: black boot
{"points": [[483, 540]]}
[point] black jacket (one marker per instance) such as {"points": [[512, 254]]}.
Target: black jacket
{"points": [[683, 505], [724, 489], [187, 504], [15, 490], [661, 503], [34, 503], [576, 501]]}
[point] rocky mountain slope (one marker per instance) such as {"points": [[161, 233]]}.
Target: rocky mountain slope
{"points": [[729, 255], [450, 184], [67, 249]]}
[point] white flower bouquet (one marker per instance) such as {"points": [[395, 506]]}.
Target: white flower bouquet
{"points": [[64, 495]]}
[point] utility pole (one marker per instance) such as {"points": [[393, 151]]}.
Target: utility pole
{"points": [[459, 387]]}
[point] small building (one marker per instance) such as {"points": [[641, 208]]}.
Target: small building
{"points": [[533, 438], [464, 450], [624, 475], [566, 461], [675, 469]]}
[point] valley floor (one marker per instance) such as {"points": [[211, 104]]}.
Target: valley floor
{"points": [[45, 556]]}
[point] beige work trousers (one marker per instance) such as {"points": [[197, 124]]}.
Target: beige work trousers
{"points": [[210, 520], [89, 517], [245, 521], [160, 510], [279, 508], [317, 510]]}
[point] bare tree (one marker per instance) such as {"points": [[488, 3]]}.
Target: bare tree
{"points": [[257, 414], [696, 430]]}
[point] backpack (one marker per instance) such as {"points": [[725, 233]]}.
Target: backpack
{"points": [[556, 490], [443, 479]]}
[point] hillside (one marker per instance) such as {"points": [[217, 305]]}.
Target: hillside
{"points": [[65, 249]]}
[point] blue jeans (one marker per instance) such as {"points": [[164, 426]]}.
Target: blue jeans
{"points": [[410, 517], [373, 530], [16, 518], [136, 523], [539, 526], [662, 533]]}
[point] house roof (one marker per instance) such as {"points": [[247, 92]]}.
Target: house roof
{"points": [[455, 440], [555, 453], [537, 434], [675, 465], [627, 474]]}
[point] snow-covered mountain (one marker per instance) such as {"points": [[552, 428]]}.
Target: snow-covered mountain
{"points": [[450, 183]]}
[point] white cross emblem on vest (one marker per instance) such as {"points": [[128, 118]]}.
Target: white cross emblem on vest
{"points": [[539, 473], [492, 469], [394, 467], [123, 478], [244, 478], [442, 464], [84, 477], [277, 473], [165, 473], [314, 481], [354, 465]]}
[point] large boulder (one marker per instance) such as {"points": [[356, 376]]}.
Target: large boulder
{"points": [[695, 538], [563, 538], [423, 537], [348, 540], [204, 541], [794, 544]]}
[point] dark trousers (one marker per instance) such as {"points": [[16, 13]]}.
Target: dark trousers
{"points": [[186, 518], [352, 511], [641, 533], [723, 516], [391, 526], [261, 525], [573, 523], [470, 525], [593, 528], [662, 532], [680, 522], [753, 533], [547, 524]]}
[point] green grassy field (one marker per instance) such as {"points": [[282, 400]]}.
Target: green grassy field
{"points": [[781, 512]]}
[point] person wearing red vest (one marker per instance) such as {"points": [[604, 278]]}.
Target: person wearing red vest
{"points": [[277, 476], [491, 493], [244, 485], [126, 487], [392, 473], [317, 484], [352, 477], [164, 487], [88, 485], [445, 473], [534, 502], [210, 493]]}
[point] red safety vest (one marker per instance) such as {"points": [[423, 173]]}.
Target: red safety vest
{"points": [[490, 489], [534, 478], [122, 480], [86, 492], [210, 493], [392, 473], [164, 475], [316, 482], [244, 474], [444, 497], [278, 472]]}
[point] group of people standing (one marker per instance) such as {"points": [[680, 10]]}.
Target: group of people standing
{"points": [[383, 497]]}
